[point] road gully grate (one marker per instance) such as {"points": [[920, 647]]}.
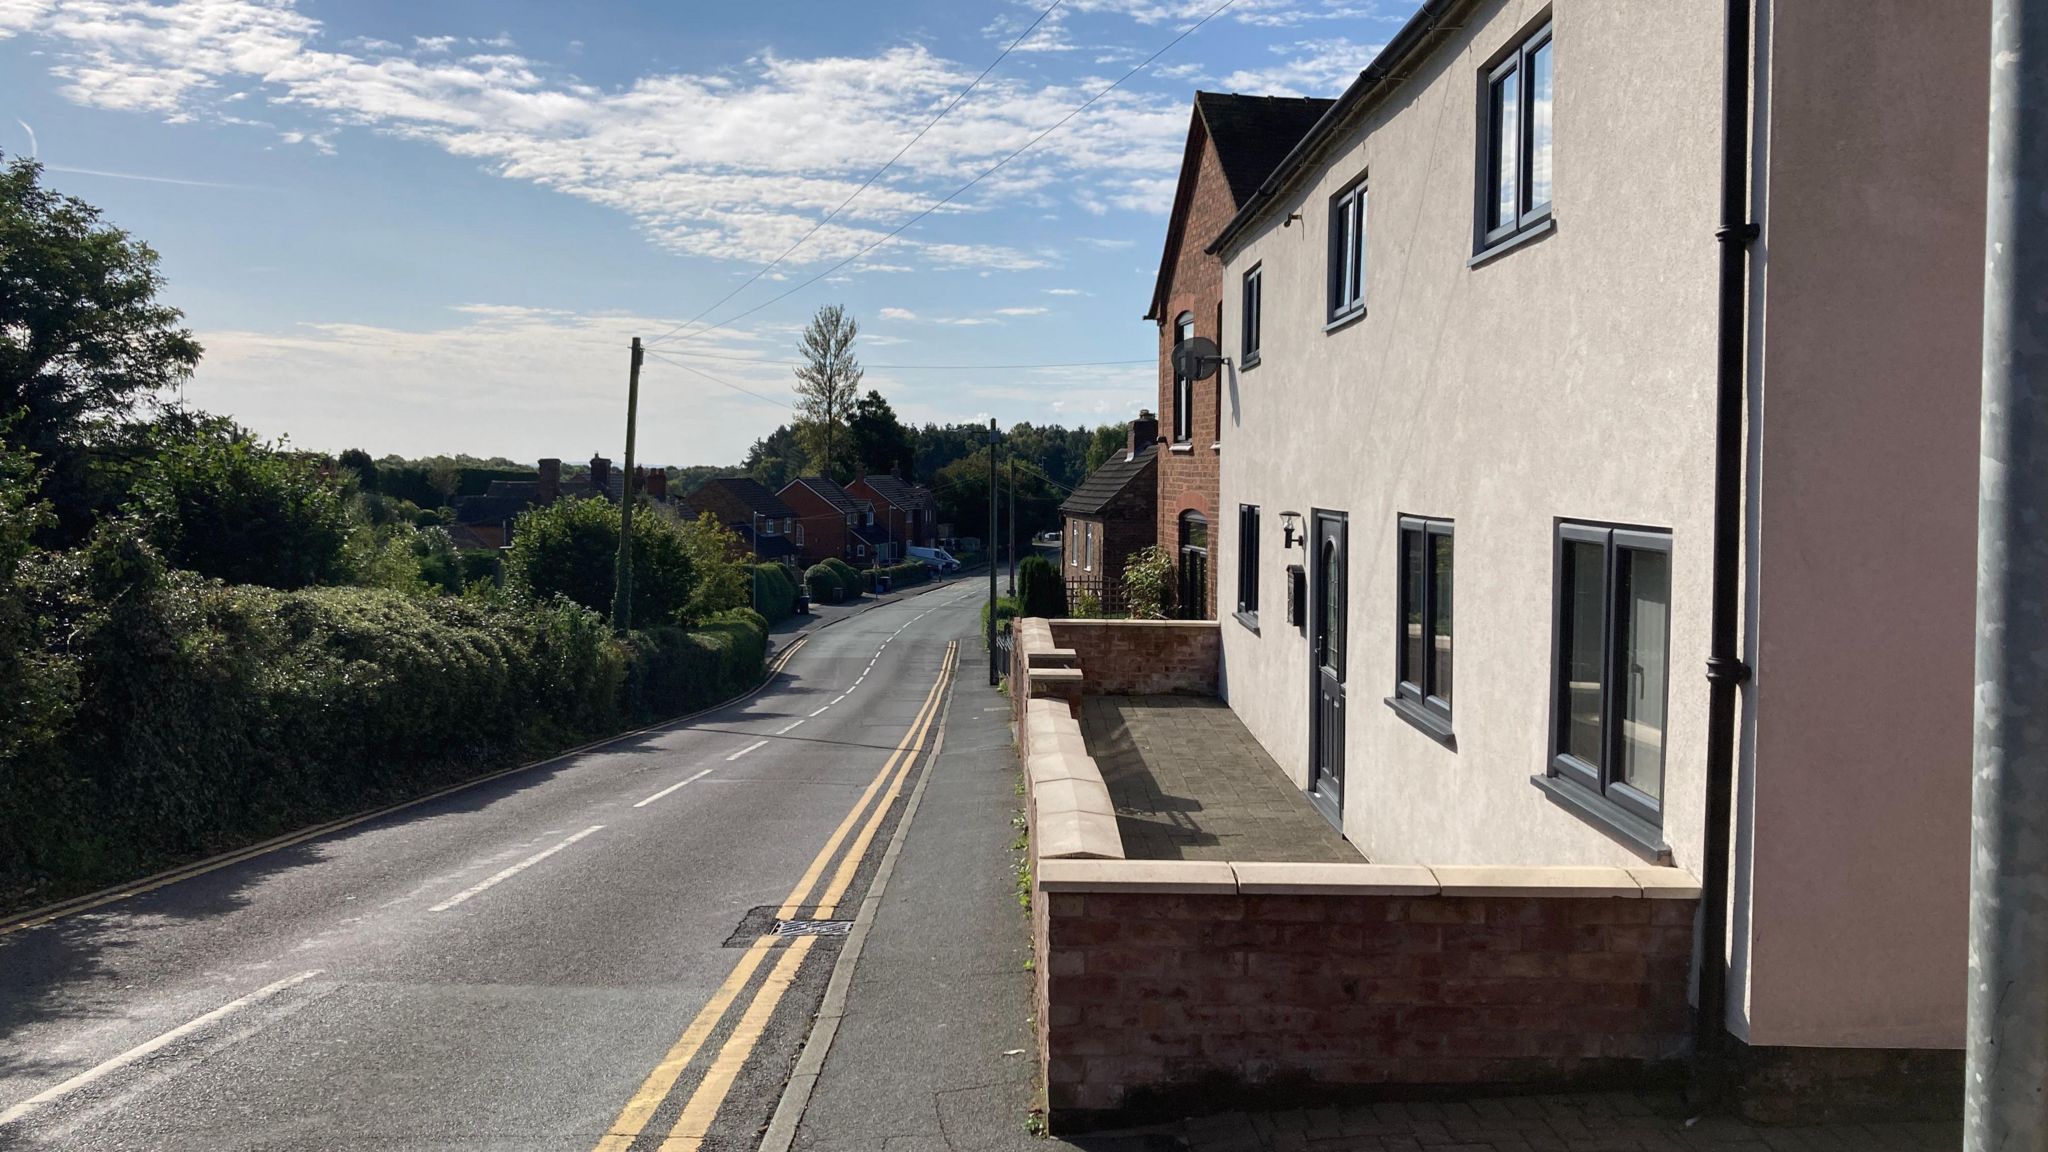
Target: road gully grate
{"points": [[812, 927], [763, 921]]}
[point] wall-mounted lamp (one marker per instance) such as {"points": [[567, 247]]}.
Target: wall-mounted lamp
{"points": [[1290, 530], [1291, 218]]}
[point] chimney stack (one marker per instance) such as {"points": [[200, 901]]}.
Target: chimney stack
{"points": [[656, 484], [600, 473], [1144, 432], [550, 480]]}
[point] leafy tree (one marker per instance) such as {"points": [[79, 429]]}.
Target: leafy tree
{"points": [[1106, 442], [83, 338], [826, 383], [34, 683], [221, 504], [571, 548], [880, 442], [1040, 589], [718, 559], [358, 461], [775, 459]]}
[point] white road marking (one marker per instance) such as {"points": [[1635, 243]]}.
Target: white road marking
{"points": [[148, 1047], [788, 728], [821, 711], [514, 870], [747, 749], [840, 697], [673, 787]]}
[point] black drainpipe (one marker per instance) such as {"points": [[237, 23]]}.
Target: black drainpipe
{"points": [[1725, 670]]}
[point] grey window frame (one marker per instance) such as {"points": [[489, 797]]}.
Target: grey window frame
{"points": [[1248, 565], [1528, 216], [1252, 303], [1183, 385], [1412, 697], [1349, 212], [1600, 782]]}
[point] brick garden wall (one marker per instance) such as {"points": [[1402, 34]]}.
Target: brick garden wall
{"points": [[1159, 1006], [1144, 657]]}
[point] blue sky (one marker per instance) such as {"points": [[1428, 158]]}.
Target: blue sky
{"points": [[432, 227]]}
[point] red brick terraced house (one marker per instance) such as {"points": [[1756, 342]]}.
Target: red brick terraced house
{"points": [[768, 526], [1111, 515], [827, 515], [1234, 142], [906, 511]]}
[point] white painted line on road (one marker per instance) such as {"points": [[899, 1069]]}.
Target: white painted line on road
{"points": [[514, 870], [781, 731], [148, 1047], [673, 787], [747, 749], [840, 697], [821, 711]]}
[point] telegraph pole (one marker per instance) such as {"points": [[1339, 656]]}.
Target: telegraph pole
{"points": [[2004, 1106], [1013, 525], [994, 676], [622, 592]]}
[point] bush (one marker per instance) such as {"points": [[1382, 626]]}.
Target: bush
{"points": [[1040, 589], [1007, 609], [1148, 583], [824, 585], [774, 592], [671, 671], [571, 548], [850, 582], [219, 503]]}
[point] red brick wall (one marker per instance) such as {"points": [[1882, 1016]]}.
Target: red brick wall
{"points": [[1160, 1006], [1188, 479], [1144, 657], [825, 534]]}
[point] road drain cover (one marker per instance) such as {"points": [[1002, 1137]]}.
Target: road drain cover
{"points": [[812, 927]]}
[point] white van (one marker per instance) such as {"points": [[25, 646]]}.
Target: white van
{"points": [[937, 558]]}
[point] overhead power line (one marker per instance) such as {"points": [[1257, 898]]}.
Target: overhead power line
{"points": [[869, 182], [715, 380], [923, 367], [957, 192]]}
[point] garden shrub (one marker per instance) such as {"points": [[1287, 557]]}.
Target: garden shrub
{"points": [[1040, 589], [1148, 583], [849, 577], [774, 592], [824, 585], [571, 548]]}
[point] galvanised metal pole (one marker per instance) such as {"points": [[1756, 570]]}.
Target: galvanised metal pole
{"points": [[994, 674], [2005, 1091]]}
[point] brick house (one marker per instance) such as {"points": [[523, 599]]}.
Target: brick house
{"points": [[485, 520], [826, 515], [1111, 515], [906, 511], [768, 526], [1233, 143]]}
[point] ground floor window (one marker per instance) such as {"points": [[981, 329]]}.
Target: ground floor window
{"points": [[1248, 562], [1194, 566], [1612, 664], [1422, 656]]}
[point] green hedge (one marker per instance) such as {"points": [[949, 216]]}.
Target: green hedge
{"points": [[774, 592], [1040, 589], [900, 575], [824, 585], [850, 583], [194, 717]]}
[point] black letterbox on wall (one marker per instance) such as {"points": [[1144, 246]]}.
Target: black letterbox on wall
{"points": [[1297, 596]]}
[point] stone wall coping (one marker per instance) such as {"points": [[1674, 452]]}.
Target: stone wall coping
{"points": [[1145, 877], [1275, 878], [1189, 625], [1077, 792], [1054, 675], [1058, 765], [1070, 836], [1049, 707]]}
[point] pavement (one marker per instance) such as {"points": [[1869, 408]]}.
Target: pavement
{"points": [[571, 956], [1191, 783]]}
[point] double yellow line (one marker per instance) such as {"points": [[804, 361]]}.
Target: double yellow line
{"points": [[690, 1128]]}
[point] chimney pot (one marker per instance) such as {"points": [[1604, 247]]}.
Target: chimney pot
{"points": [[1144, 431]]}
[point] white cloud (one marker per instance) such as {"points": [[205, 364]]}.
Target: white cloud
{"points": [[1107, 244], [736, 164], [1031, 311], [1259, 13], [1313, 68], [898, 314], [1063, 292]]}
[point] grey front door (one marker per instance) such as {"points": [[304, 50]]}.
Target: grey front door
{"points": [[1326, 656]]}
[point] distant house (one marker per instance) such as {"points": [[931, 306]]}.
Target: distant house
{"points": [[1234, 142], [768, 525], [1111, 515], [485, 521], [907, 511], [829, 516]]}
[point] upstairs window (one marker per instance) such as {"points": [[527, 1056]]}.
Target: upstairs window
{"points": [[1183, 384], [1347, 253], [1253, 300], [1515, 178]]}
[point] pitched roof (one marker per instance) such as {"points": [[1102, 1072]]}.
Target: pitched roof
{"points": [[1251, 134], [744, 492], [900, 493], [1109, 481], [828, 490]]}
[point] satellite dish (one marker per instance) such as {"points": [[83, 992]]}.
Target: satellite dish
{"points": [[1197, 358]]}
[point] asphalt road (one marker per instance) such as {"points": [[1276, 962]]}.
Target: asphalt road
{"points": [[571, 957]]}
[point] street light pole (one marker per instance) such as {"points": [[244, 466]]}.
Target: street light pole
{"points": [[994, 677], [2004, 1106], [1013, 525]]}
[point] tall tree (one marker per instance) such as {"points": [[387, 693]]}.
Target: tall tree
{"points": [[83, 338], [826, 383], [775, 459], [880, 441], [1106, 441]]}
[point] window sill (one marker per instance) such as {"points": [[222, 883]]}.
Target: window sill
{"points": [[1499, 248], [1250, 620], [1345, 319], [1182, 447], [1248, 363], [1428, 723], [1630, 831]]}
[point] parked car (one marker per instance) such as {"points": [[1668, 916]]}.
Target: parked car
{"points": [[937, 559]]}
